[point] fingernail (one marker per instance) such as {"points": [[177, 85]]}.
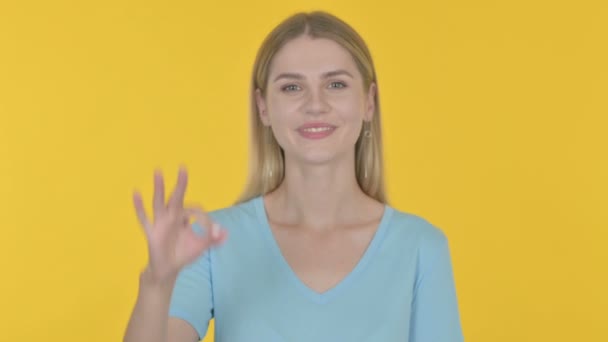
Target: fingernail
{"points": [[215, 230]]}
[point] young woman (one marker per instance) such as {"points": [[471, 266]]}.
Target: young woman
{"points": [[315, 253]]}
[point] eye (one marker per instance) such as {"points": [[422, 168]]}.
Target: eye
{"points": [[290, 87], [337, 85]]}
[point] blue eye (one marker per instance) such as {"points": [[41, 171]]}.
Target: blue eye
{"points": [[337, 85], [290, 87]]}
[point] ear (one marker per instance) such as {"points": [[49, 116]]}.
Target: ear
{"points": [[262, 109], [371, 102]]}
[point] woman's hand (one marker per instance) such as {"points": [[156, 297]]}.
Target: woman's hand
{"points": [[172, 244]]}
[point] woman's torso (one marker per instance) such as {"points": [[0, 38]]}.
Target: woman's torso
{"points": [[360, 289]]}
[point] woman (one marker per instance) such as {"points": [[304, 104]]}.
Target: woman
{"points": [[315, 252]]}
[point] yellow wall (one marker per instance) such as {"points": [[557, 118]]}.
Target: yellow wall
{"points": [[494, 120]]}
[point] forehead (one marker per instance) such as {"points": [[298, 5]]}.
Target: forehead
{"points": [[312, 55]]}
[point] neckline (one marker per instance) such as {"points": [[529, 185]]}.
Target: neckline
{"points": [[323, 297]]}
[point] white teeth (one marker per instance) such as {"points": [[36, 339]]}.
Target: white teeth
{"points": [[314, 130]]}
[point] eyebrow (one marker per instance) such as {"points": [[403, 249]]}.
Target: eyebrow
{"points": [[324, 75]]}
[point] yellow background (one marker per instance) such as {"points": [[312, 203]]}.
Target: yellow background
{"points": [[494, 116]]}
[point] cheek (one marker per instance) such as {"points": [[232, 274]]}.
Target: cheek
{"points": [[283, 109], [350, 109]]}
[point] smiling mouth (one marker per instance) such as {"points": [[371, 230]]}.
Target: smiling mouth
{"points": [[317, 129], [316, 132]]}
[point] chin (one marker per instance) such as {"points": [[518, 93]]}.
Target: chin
{"points": [[318, 157], [309, 154]]}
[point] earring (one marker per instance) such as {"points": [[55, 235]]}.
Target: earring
{"points": [[367, 133], [269, 135]]}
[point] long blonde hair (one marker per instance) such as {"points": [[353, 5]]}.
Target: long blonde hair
{"points": [[266, 164]]}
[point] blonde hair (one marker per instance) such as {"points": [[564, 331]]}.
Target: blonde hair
{"points": [[266, 164]]}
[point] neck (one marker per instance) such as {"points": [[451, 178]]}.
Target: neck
{"points": [[319, 197]]}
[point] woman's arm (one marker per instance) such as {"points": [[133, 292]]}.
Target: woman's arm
{"points": [[177, 281], [150, 319], [435, 315]]}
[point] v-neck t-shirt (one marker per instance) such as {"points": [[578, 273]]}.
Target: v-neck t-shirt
{"points": [[401, 289]]}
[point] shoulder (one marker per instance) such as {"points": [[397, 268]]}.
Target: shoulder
{"points": [[416, 231], [243, 221], [235, 214], [420, 242]]}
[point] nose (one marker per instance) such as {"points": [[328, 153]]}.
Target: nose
{"points": [[316, 102]]}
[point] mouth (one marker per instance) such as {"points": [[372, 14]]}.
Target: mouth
{"points": [[319, 132]]}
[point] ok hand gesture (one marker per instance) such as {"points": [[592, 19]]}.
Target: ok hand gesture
{"points": [[172, 244]]}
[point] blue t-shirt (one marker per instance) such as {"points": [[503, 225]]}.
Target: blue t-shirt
{"points": [[402, 289]]}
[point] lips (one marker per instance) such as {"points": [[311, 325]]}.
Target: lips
{"points": [[315, 125], [316, 130]]}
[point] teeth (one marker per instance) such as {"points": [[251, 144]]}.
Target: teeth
{"points": [[319, 129]]}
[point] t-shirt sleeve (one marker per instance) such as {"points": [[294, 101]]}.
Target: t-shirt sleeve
{"points": [[435, 315], [192, 298]]}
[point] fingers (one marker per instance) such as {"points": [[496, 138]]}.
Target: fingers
{"points": [[214, 232], [140, 211], [217, 234], [197, 245], [159, 193], [175, 203], [177, 197], [200, 216]]}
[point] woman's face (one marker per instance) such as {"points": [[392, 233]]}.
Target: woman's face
{"points": [[315, 82]]}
